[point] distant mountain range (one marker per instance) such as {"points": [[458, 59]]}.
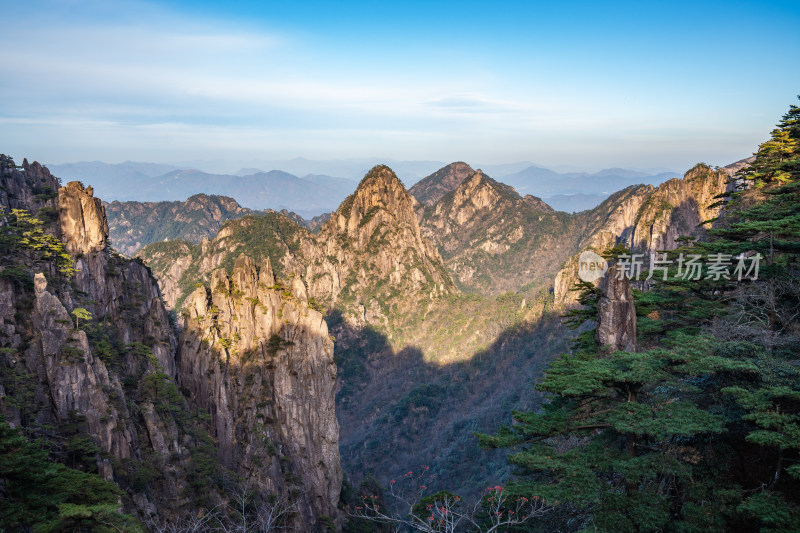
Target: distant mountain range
{"points": [[146, 182], [574, 203], [591, 188], [318, 191]]}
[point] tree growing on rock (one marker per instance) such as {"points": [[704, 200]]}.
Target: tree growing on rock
{"points": [[80, 314]]}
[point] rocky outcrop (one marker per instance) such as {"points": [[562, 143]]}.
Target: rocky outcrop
{"points": [[733, 168], [678, 207], [81, 377], [78, 381], [82, 219], [602, 228], [180, 265], [493, 240], [260, 361], [29, 186], [616, 313], [648, 219], [430, 189], [111, 287]]}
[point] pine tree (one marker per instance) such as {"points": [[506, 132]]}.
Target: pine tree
{"points": [[701, 430], [80, 314], [777, 160], [771, 403], [25, 233], [622, 437], [41, 495]]}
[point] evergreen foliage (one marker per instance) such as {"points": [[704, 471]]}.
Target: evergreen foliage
{"points": [[80, 313], [43, 496], [777, 161], [700, 431], [26, 234]]}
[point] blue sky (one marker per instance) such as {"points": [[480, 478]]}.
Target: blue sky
{"points": [[580, 84]]}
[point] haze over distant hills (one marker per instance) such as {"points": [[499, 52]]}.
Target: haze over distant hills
{"points": [[308, 196], [573, 203], [547, 183], [319, 190]]}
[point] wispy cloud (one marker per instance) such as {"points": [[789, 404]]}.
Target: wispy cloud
{"points": [[87, 79]]}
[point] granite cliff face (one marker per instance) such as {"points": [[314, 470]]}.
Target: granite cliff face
{"points": [[678, 207], [648, 219], [115, 377], [603, 227], [64, 382], [82, 386], [82, 219], [178, 258], [112, 288], [260, 362]]}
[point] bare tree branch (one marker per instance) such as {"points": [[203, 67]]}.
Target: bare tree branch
{"points": [[444, 512]]}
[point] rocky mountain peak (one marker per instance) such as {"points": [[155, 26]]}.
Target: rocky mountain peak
{"points": [[212, 203], [371, 250], [491, 239], [30, 188], [476, 193], [82, 219], [679, 207], [380, 199], [650, 219], [430, 189]]}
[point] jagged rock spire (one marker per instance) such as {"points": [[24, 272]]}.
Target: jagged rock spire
{"points": [[82, 219]]}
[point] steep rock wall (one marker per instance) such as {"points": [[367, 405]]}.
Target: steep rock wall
{"points": [[83, 380], [648, 219], [260, 362], [117, 380]]}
